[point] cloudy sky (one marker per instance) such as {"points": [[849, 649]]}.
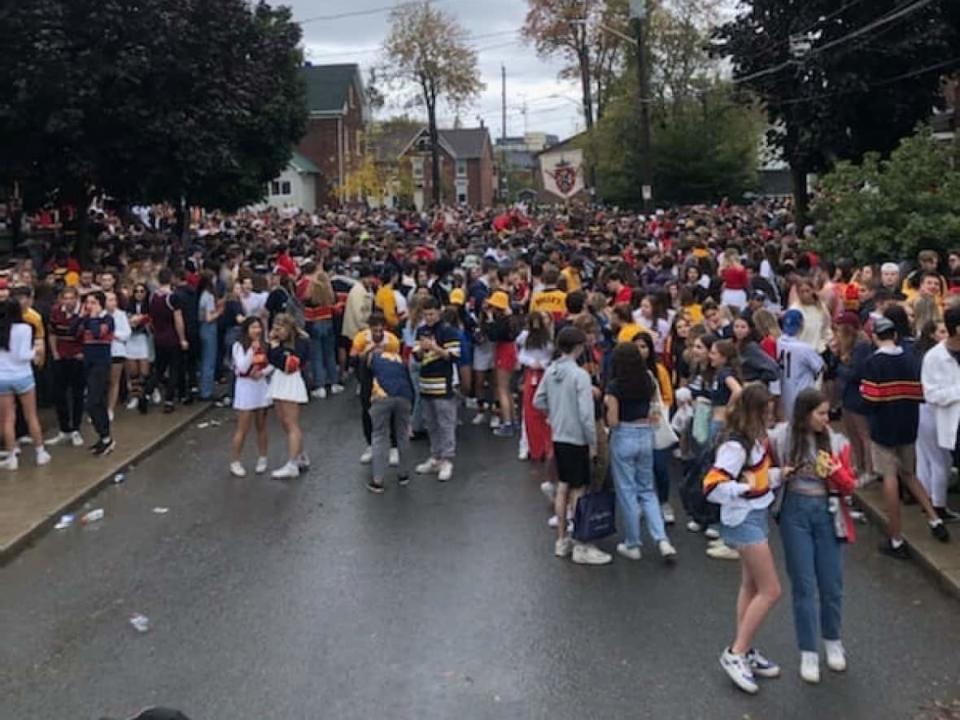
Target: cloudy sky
{"points": [[532, 84]]}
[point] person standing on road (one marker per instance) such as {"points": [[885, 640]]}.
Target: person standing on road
{"points": [[815, 482], [391, 404], [741, 482], [288, 391], [319, 302], [631, 414], [566, 395], [251, 397], [118, 349], [940, 378], [800, 363], [68, 381], [375, 337], [140, 350], [210, 309], [438, 351], [95, 329], [890, 385], [169, 337]]}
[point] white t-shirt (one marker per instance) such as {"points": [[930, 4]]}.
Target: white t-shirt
{"points": [[15, 362]]}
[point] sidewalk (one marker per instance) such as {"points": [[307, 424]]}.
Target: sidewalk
{"points": [[32, 499], [941, 560]]}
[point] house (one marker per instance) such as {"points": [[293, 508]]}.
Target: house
{"points": [[517, 162], [467, 171], [562, 172], [335, 128], [296, 187], [945, 122]]}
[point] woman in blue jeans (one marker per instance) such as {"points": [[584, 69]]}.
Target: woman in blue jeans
{"points": [[627, 403], [319, 301], [209, 308], [807, 450]]}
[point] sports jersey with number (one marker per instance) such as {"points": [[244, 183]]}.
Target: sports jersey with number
{"points": [[800, 365]]}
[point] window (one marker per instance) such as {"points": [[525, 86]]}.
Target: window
{"points": [[275, 188], [417, 164], [461, 192], [359, 138], [461, 168], [285, 187]]}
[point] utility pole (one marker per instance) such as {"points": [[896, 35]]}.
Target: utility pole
{"points": [[638, 17], [503, 134], [503, 100]]}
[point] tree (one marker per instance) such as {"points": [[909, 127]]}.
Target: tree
{"points": [[428, 48], [148, 100], [574, 30], [889, 209], [834, 95], [366, 181]]}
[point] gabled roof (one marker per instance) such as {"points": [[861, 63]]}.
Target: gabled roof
{"points": [[328, 85], [570, 143], [462, 143], [467, 142], [301, 163]]}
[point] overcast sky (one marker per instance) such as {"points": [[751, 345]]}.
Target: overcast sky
{"points": [[530, 80]]}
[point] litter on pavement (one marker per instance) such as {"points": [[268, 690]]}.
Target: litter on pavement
{"points": [[65, 522], [92, 516], [140, 622], [161, 510]]}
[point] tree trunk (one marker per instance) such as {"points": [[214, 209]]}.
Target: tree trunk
{"points": [[434, 151], [587, 88], [801, 196]]}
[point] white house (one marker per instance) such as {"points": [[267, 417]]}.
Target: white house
{"points": [[296, 187]]}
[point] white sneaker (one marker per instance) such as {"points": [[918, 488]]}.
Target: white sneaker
{"points": [[24, 440], [523, 454], [428, 467], [261, 466], [631, 553], [722, 552], [367, 456], [60, 437], [43, 457], [693, 526], [810, 667], [290, 470], [494, 421], [76, 438], [303, 461], [738, 669], [836, 657], [584, 554], [320, 393], [110, 415], [553, 521], [237, 469], [549, 489], [479, 419], [563, 548], [10, 462], [156, 398], [715, 543], [445, 471], [711, 533], [394, 457], [132, 403], [667, 551], [666, 509], [336, 389]]}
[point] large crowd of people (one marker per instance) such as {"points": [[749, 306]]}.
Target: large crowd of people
{"points": [[703, 362]]}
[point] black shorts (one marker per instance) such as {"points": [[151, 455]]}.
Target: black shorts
{"points": [[117, 360], [573, 464]]}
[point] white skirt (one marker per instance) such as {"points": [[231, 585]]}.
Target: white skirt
{"points": [[734, 298], [287, 386], [250, 394], [140, 347]]}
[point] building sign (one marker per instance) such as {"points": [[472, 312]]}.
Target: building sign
{"points": [[562, 172]]}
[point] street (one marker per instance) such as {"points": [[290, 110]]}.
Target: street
{"points": [[315, 599]]}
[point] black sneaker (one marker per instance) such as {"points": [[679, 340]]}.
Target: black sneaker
{"points": [[948, 515], [900, 553], [939, 531], [403, 480], [374, 487], [104, 447], [167, 408], [143, 405]]}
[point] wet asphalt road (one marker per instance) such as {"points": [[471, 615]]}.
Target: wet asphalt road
{"points": [[315, 599]]}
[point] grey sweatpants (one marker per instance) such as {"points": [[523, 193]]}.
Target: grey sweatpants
{"points": [[386, 413], [441, 418]]}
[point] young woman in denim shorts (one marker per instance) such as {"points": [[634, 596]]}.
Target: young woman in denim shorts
{"points": [[741, 482]]}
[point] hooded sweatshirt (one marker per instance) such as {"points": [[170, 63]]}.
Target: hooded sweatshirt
{"points": [[566, 395]]}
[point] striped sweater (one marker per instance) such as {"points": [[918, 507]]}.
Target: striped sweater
{"points": [[892, 393]]}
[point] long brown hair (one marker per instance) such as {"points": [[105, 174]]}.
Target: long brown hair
{"points": [[800, 431], [321, 290], [748, 414]]}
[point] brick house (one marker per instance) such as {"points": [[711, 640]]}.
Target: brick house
{"points": [[338, 116], [467, 171]]}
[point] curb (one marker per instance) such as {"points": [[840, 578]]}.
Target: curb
{"points": [[25, 539], [949, 584]]}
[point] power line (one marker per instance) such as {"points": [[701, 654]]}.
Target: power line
{"points": [[880, 22], [366, 51], [355, 13]]}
